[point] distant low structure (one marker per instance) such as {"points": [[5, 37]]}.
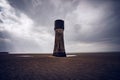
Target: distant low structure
{"points": [[59, 48], [4, 53]]}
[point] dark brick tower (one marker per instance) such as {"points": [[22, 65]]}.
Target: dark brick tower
{"points": [[59, 49]]}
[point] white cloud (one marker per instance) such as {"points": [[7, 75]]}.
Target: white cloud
{"points": [[20, 28]]}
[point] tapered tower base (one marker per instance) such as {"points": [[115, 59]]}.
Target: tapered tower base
{"points": [[59, 54]]}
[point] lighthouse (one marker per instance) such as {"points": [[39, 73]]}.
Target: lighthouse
{"points": [[59, 48]]}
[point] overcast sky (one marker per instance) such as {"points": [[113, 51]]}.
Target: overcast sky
{"points": [[90, 25]]}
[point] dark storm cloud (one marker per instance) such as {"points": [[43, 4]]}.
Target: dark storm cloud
{"points": [[108, 30], [112, 33], [18, 4], [88, 23], [45, 11], [110, 24]]}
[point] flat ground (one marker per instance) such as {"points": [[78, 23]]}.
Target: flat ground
{"points": [[89, 66]]}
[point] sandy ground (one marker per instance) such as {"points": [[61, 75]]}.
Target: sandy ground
{"points": [[46, 67]]}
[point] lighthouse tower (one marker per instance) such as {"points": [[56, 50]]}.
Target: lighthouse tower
{"points": [[59, 48]]}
